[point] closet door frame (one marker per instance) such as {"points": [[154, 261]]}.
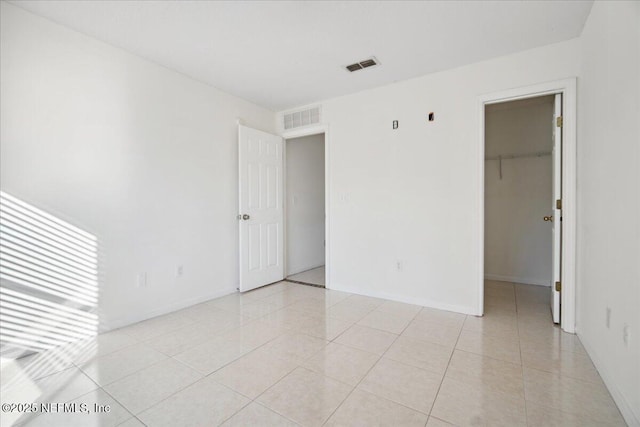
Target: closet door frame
{"points": [[566, 87]]}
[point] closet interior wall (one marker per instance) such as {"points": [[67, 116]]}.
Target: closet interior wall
{"points": [[518, 171]]}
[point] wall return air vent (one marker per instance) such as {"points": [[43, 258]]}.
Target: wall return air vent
{"points": [[297, 119], [362, 64]]}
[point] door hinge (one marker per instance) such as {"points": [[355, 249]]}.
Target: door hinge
{"points": [[558, 121], [558, 286], [558, 204]]}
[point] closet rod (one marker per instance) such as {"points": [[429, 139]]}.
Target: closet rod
{"points": [[519, 156]]}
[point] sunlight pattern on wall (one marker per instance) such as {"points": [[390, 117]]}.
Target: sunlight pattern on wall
{"points": [[48, 280]]}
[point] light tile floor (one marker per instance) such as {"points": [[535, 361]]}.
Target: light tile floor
{"points": [[315, 276], [288, 354]]}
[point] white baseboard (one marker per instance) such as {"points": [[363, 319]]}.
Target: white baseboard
{"points": [[111, 324], [626, 409], [514, 279], [408, 300]]}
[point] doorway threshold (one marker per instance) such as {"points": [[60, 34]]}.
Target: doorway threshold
{"points": [[304, 283], [313, 277]]}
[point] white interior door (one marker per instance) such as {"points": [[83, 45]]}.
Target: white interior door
{"points": [[261, 214], [556, 209]]}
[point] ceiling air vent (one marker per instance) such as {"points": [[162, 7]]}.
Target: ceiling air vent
{"points": [[296, 119], [363, 64]]}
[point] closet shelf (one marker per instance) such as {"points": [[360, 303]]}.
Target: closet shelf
{"points": [[519, 156], [500, 158]]}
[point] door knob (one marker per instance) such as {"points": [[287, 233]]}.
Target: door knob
{"points": [[245, 217], [548, 218]]}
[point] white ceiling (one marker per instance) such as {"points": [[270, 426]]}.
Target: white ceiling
{"points": [[284, 54]]}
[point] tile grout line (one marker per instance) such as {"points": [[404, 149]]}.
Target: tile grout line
{"points": [[130, 374], [524, 390], [255, 321], [138, 342], [172, 394], [373, 366], [213, 372], [558, 374], [299, 366], [355, 387], [75, 365], [255, 400], [124, 407], [193, 369], [204, 376], [448, 364]]}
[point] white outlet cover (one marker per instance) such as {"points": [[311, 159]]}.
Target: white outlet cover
{"points": [[141, 280], [625, 334]]}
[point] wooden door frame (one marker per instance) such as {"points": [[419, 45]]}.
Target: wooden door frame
{"points": [[299, 133], [567, 87]]}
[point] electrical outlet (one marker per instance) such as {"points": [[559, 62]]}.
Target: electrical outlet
{"points": [[179, 271], [399, 265], [141, 280], [608, 321], [625, 335]]}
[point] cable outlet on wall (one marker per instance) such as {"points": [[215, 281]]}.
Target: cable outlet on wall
{"points": [[608, 319], [179, 271]]}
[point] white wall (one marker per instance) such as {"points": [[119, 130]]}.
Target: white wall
{"points": [[412, 195], [518, 242], [609, 198], [138, 155], [305, 203]]}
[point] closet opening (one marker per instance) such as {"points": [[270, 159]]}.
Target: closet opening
{"points": [[522, 206]]}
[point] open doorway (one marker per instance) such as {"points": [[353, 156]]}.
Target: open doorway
{"points": [[283, 226], [562, 209], [522, 183], [305, 227]]}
